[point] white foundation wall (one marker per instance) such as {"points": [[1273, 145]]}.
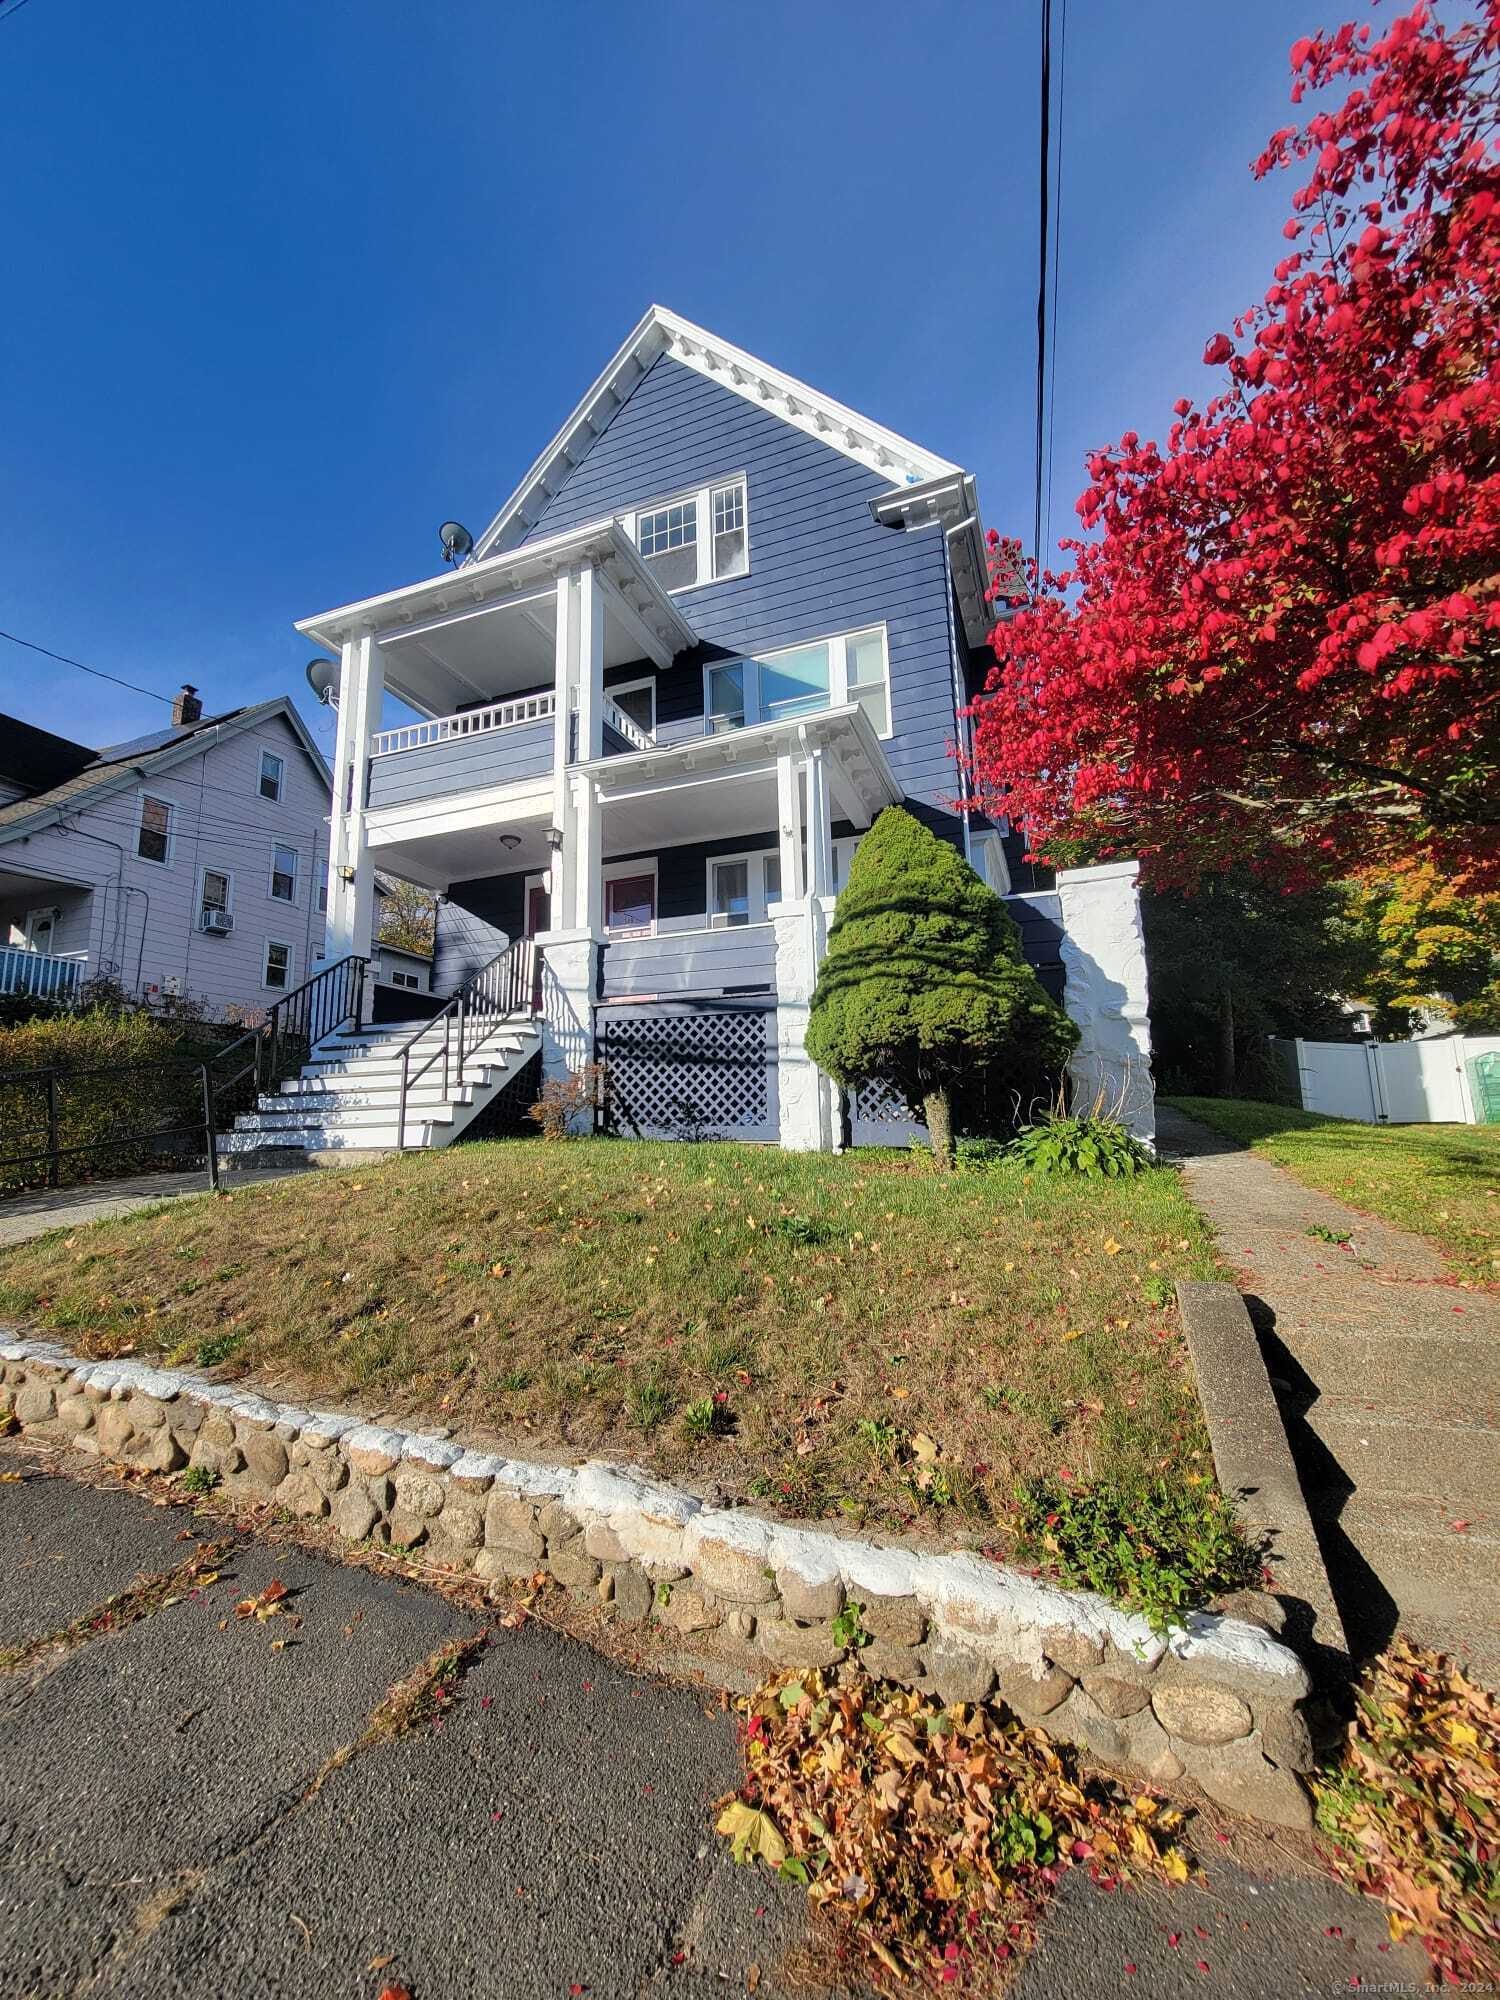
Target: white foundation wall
{"points": [[1104, 956]]}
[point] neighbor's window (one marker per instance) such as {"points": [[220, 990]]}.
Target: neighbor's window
{"points": [[272, 772], [278, 967], [405, 979], [668, 539], [154, 841], [696, 538], [284, 862], [215, 889]]}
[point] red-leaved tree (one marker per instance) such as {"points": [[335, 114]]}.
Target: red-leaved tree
{"points": [[1279, 641]]}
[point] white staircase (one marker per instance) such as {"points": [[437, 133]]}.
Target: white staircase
{"points": [[346, 1100]]}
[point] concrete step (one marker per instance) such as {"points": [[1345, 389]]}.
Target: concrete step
{"points": [[312, 1139], [357, 1115]]}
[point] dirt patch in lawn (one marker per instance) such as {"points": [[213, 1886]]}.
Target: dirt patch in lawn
{"points": [[853, 1337]]}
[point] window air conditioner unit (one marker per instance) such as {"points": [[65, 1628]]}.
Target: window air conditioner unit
{"points": [[219, 923]]}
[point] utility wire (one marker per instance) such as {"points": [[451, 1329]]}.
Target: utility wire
{"points": [[1062, 80], [1041, 286], [19, 4], [97, 672]]}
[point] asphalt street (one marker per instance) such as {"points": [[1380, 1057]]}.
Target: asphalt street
{"points": [[551, 1837]]}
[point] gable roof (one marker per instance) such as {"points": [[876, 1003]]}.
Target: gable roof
{"points": [[121, 767], [662, 332]]}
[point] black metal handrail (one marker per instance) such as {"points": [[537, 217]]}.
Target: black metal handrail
{"points": [[292, 1028], [498, 991]]}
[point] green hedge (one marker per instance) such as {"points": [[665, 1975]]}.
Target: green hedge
{"points": [[114, 1105]]}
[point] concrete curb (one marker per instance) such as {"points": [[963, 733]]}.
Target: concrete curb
{"points": [[1216, 1699], [1253, 1459]]}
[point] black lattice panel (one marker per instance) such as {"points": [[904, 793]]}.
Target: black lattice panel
{"points": [[690, 1072]]}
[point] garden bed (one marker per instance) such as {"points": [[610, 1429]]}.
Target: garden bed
{"points": [[853, 1338]]}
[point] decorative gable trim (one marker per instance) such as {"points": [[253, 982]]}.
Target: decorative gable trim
{"points": [[660, 332]]}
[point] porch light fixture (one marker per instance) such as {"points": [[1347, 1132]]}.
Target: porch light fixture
{"points": [[510, 842], [346, 873], [555, 839]]}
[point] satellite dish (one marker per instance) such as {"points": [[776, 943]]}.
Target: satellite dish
{"points": [[458, 543], [323, 679]]}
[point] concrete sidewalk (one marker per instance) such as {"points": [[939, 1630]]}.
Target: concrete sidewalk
{"points": [[553, 1837], [1388, 1377], [23, 1216]]}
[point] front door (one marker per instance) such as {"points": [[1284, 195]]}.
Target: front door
{"points": [[41, 930], [537, 912]]}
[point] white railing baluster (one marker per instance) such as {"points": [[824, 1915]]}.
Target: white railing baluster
{"points": [[472, 722]]}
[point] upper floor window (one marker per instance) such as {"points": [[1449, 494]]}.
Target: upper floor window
{"points": [[284, 865], [696, 538], [154, 840], [272, 774], [799, 680]]}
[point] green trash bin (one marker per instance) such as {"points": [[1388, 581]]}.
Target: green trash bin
{"points": [[1484, 1086]]}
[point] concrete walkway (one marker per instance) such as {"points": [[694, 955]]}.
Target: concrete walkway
{"points": [[1388, 1377], [23, 1216], [158, 1836]]}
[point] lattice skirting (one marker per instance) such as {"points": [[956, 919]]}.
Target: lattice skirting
{"points": [[690, 1070]]}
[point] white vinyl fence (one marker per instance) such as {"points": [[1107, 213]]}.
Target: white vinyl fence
{"points": [[1447, 1080]]}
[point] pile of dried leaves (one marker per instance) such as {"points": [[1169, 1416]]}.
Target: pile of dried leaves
{"points": [[1413, 1808], [930, 1836]]}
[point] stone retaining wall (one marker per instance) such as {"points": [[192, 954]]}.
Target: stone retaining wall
{"points": [[1219, 1702]]}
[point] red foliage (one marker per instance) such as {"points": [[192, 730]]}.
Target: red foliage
{"points": [[1281, 640]]}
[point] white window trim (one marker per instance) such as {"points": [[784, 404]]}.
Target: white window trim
{"points": [[171, 805], [281, 944], [838, 674], [260, 771], [615, 689], [294, 901], [204, 872], [622, 871], [702, 497], [755, 881]]}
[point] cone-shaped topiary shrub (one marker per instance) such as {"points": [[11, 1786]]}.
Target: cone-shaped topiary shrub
{"points": [[924, 982]]}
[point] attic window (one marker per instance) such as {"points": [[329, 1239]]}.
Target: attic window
{"points": [[272, 771], [696, 538]]}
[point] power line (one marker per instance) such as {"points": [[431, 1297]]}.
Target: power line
{"points": [[1062, 83], [1041, 285], [67, 661], [19, 4]]}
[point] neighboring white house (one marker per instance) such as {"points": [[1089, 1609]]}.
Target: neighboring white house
{"points": [[408, 971], [191, 862]]}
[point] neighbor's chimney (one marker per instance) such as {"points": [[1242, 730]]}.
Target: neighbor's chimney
{"points": [[186, 706]]}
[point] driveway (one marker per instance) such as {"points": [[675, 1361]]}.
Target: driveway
{"points": [[551, 1837], [1388, 1378]]}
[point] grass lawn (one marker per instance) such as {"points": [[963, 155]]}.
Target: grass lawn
{"points": [[788, 1325], [1439, 1181]]}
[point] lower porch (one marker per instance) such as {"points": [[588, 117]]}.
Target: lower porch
{"points": [[45, 936]]}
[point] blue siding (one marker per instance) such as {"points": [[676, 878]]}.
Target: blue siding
{"points": [[818, 562], [692, 962], [466, 763]]}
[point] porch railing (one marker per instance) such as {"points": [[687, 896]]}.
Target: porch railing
{"points": [[40, 975], [623, 725], [472, 722], [509, 985]]}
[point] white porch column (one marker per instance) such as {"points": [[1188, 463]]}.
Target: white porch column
{"points": [[789, 814], [1104, 955], [565, 680], [807, 1100], [819, 826], [590, 666], [351, 887], [570, 985], [588, 847]]}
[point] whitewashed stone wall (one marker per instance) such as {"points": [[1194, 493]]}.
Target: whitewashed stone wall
{"points": [[1219, 1700], [1104, 956]]}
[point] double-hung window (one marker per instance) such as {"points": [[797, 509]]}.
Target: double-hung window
{"points": [[850, 667], [153, 841], [277, 969], [217, 884], [272, 775], [284, 866], [740, 888], [696, 538]]}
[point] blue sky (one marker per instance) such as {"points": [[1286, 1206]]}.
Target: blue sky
{"points": [[287, 285]]}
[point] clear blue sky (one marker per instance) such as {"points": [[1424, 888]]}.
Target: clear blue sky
{"points": [[286, 284]]}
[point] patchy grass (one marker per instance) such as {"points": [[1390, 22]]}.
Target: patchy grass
{"points": [[828, 1334], [1438, 1181]]}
